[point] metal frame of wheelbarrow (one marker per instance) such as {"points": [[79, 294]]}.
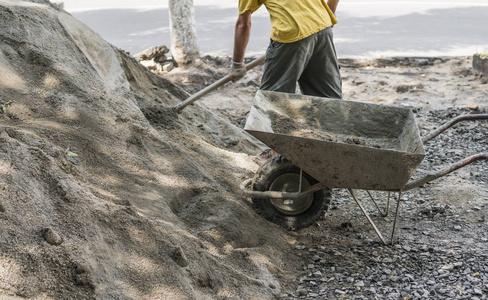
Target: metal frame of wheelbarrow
{"points": [[408, 186]]}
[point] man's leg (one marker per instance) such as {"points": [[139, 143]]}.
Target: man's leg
{"points": [[284, 65], [321, 77]]}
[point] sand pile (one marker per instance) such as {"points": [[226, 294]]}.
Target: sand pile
{"points": [[108, 194]]}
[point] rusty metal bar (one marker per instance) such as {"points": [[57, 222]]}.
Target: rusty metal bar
{"points": [[387, 209], [371, 220], [396, 217], [455, 166], [451, 123], [300, 182], [365, 213], [276, 194]]}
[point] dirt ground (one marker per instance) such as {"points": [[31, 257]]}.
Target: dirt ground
{"points": [[445, 216], [106, 193], [424, 82]]}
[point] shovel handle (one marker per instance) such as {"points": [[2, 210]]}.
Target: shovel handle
{"points": [[178, 108]]}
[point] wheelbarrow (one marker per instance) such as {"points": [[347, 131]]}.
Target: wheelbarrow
{"points": [[325, 144]]}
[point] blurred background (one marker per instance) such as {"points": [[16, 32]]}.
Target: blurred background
{"points": [[366, 28]]}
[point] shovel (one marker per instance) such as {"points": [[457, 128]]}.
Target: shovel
{"points": [[178, 108]]}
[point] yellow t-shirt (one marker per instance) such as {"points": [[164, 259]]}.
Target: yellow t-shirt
{"points": [[293, 20]]}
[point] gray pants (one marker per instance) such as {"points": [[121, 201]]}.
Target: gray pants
{"points": [[311, 61]]}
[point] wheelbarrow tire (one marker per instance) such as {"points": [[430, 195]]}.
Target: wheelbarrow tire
{"points": [[273, 175]]}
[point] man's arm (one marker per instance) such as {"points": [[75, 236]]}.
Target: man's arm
{"points": [[241, 38], [333, 5], [241, 35]]}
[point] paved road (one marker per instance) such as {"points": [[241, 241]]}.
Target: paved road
{"points": [[366, 28]]}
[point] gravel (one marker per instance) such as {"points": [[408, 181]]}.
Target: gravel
{"points": [[440, 249]]}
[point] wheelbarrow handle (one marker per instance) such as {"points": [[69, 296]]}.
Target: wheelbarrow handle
{"points": [[178, 108], [449, 169], [453, 122]]}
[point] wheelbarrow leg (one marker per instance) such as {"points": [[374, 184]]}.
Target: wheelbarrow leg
{"points": [[372, 222], [387, 209], [396, 216]]}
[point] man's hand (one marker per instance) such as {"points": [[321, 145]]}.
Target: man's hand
{"points": [[237, 71]]}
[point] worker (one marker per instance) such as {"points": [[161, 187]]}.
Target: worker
{"points": [[301, 48]]}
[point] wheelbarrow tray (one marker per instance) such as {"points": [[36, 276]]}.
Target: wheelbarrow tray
{"points": [[342, 144]]}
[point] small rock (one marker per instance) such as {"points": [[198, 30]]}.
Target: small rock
{"points": [[153, 52], [168, 66], [448, 267], [302, 292], [477, 292], [317, 274], [83, 276], [52, 237], [150, 64], [83, 279], [160, 59], [177, 255], [2, 208], [359, 284]]}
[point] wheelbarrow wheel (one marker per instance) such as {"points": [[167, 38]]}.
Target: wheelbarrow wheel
{"points": [[279, 174]]}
